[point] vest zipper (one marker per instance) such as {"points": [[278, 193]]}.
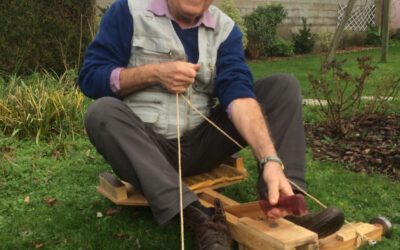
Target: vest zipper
{"points": [[187, 107], [188, 110]]}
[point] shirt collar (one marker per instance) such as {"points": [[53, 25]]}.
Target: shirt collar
{"points": [[160, 8]]}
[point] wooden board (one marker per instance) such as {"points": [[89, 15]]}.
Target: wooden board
{"points": [[247, 223], [230, 172], [250, 228], [260, 234], [346, 237]]}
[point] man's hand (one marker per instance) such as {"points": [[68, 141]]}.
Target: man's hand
{"points": [[177, 76], [277, 186], [249, 121]]}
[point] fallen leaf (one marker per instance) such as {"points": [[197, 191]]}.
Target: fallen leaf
{"points": [[49, 172], [124, 236], [68, 240], [1, 182], [138, 243], [5, 150], [89, 156], [48, 180], [26, 232], [111, 211], [50, 201], [56, 154], [36, 182], [38, 245], [133, 215], [27, 199]]}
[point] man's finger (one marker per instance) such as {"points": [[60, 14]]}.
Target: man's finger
{"points": [[286, 189], [273, 191], [196, 66]]}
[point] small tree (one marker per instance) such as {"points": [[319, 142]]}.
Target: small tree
{"points": [[304, 41], [338, 34]]}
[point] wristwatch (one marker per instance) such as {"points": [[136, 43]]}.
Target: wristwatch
{"points": [[266, 159]]}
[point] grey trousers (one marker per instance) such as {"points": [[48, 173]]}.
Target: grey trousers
{"points": [[148, 161]]}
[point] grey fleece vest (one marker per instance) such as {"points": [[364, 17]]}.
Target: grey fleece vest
{"points": [[155, 41]]}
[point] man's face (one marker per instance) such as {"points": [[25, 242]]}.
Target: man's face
{"points": [[189, 9]]}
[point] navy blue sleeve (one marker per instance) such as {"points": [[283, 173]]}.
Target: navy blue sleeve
{"points": [[234, 78], [110, 49]]}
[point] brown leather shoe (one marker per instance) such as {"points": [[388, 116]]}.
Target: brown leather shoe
{"points": [[323, 223], [210, 232]]}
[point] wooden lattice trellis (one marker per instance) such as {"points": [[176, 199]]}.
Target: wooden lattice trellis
{"points": [[360, 16]]}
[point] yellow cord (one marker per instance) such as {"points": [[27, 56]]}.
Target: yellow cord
{"points": [[180, 173]]}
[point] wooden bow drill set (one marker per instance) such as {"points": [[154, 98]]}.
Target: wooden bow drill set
{"points": [[247, 222]]}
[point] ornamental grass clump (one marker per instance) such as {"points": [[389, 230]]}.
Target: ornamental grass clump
{"points": [[40, 107]]}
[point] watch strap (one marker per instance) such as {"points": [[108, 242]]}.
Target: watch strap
{"points": [[266, 159]]}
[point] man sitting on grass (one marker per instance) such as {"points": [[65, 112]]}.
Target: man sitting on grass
{"points": [[145, 53]]}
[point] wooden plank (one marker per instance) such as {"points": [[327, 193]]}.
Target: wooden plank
{"points": [[112, 186], [254, 234], [235, 161], [340, 239], [123, 193], [209, 195], [282, 234], [250, 209]]}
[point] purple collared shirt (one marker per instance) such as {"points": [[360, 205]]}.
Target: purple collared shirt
{"points": [[160, 8]]}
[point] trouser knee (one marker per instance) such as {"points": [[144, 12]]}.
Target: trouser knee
{"points": [[281, 89]]}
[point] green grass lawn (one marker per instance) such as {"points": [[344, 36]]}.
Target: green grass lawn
{"points": [[311, 64], [67, 170], [72, 223]]}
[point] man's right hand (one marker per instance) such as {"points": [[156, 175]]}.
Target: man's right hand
{"points": [[177, 76]]}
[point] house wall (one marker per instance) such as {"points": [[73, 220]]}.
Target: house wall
{"points": [[394, 16], [321, 14]]}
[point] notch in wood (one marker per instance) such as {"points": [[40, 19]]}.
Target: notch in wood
{"points": [[113, 187]]}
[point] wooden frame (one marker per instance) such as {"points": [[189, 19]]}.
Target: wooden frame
{"points": [[247, 223]]}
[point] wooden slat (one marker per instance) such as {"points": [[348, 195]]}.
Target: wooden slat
{"points": [[210, 195], [340, 239], [250, 209], [123, 193], [286, 235], [112, 186], [254, 234]]}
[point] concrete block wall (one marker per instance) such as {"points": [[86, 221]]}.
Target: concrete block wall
{"points": [[321, 14]]}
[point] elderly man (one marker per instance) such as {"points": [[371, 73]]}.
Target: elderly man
{"points": [[145, 53]]}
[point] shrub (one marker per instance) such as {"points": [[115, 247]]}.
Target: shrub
{"points": [[396, 35], [324, 40], [304, 41], [373, 35], [229, 8], [282, 47], [340, 96], [40, 106], [52, 35], [261, 27]]}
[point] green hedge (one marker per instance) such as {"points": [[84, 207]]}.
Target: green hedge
{"points": [[44, 34]]}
